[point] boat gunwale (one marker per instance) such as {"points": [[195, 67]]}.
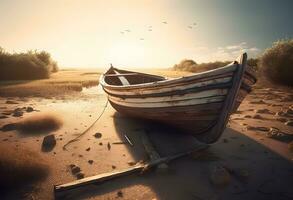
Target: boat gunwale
{"points": [[230, 68]]}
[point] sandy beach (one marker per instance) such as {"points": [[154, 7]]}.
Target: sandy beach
{"points": [[255, 147]]}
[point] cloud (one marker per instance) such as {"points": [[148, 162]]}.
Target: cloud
{"points": [[223, 53], [231, 51]]}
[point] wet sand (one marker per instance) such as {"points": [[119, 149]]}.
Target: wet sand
{"points": [[247, 145]]}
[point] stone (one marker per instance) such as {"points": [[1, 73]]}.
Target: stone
{"points": [[49, 142], [90, 161], [131, 163], [264, 111], [257, 116], [109, 146], [220, 176], [79, 175], [75, 169], [258, 128], [290, 111], [17, 113], [11, 102], [88, 149], [98, 135], [289, 123], [119, 194], [113, 167], [29, 109]]}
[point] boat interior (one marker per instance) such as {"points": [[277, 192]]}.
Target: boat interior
{"points": [[122, 77]]}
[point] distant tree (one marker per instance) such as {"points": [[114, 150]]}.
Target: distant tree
{"points": [[26, 66]]}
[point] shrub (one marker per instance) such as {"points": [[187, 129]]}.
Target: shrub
{"points": [[26, 66], [192, 66], [277, 62], [185, 65]]}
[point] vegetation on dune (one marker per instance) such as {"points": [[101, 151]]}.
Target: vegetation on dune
{"points": [[277, 62], [26, 66], [192, 66]]}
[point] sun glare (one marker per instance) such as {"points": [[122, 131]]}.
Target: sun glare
{"points": [[125, 54]]}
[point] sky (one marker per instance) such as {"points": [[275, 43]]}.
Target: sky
{"points": [[143, 33]]}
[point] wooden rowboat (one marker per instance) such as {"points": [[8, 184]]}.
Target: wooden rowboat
{"points": [[199, 104]]}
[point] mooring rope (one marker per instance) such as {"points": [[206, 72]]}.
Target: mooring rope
{"points": [[84, 132]]}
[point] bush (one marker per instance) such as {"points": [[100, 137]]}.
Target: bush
{"points": [[277, 62], [185, 65], [192, 66], [26, 66]]}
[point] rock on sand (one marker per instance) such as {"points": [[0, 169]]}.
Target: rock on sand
{"points": [[49, 143]]}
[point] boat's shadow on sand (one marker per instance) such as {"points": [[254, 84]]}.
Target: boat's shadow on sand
{"points": [[269, 174]]}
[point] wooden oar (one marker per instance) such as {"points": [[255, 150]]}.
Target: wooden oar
{"points": [[139, 168]]}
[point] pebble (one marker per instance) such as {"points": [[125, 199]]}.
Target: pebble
{"points": [[11, 102], [29, 109], [75, 169], [220, 176], [257, 116], [17, 113], [290, 111], [109, 146], [258, 128], [131, 163], [264, 111], [258, 102], [90, 161], [113, 167], [98, 135], [289, 123], [88, 149], [79, 175], [119, 194]]}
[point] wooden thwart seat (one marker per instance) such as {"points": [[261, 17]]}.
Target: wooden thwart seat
{"points": [[121, 77]]}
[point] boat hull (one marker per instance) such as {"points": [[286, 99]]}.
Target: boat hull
{"points": [[194, 104]]}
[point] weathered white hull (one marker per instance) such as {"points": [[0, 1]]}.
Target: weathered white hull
{"points": [[194, 103]]}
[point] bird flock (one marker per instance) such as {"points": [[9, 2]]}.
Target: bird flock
{"points": [[150, 28]]}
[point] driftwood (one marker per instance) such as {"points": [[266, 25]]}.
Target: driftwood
{"points": [[150, 150], [120, 173]]}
